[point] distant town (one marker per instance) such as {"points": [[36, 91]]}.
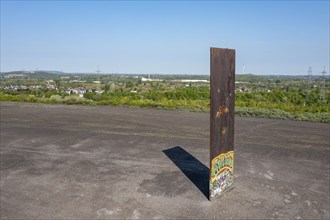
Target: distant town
{"points": [[304, 97]]}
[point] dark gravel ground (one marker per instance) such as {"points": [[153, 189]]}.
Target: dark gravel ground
{"points": [[78, 162]]}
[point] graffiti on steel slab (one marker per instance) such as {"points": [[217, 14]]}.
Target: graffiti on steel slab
{"points": [[222, 173]]}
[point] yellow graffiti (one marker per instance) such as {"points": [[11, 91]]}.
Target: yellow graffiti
{"points": [[221, 173], [221, 163]]}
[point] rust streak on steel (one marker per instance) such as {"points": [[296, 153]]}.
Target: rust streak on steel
{"points": [[221, 117]]}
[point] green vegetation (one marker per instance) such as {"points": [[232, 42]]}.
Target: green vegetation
{"points": [[256, 96]]}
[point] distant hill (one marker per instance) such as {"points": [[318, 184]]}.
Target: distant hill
{"points": [[249, 78], [263, 78], [41, 74], [54, 72]]}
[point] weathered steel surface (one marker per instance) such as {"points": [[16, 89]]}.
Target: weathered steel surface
{"points": [[222, 119]]}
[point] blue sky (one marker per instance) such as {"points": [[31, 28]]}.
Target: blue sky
{"points": [[165, 37]]}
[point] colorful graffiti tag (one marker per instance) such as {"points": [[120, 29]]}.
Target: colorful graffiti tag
{"points": [[221, 173]]}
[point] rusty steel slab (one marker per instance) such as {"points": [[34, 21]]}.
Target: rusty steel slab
{"points": [[222, 81]]}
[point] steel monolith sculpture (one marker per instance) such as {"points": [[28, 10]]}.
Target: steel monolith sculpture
{"points": [[222, 108]]}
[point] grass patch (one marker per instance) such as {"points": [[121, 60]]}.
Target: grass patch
{"points": [[199, 105]]}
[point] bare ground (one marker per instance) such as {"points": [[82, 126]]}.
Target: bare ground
{"points": [[65, 162]]}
